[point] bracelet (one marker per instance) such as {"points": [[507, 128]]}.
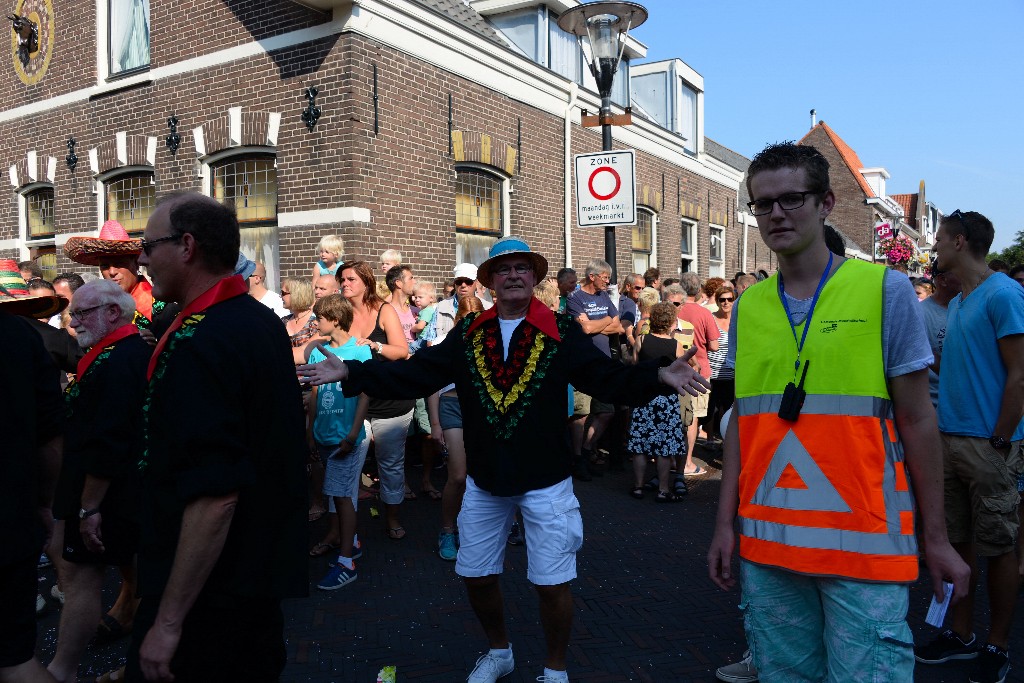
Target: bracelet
{"points": [[380, 347]]}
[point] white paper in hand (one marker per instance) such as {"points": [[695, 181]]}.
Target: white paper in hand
{"points": [[937, 610]]}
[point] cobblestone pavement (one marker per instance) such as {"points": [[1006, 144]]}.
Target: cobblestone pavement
{"points": [[645, 609]]}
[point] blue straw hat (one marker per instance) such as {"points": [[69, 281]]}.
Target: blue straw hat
{"points": [[244, 267], [508, 246]]}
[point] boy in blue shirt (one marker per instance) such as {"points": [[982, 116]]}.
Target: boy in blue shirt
{"points": [[335, 429]]}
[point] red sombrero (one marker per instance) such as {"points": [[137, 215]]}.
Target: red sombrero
{"points": [[113, 241], [15, 297]]}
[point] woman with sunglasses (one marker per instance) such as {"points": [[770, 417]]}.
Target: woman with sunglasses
{"points": [[723, 379]]}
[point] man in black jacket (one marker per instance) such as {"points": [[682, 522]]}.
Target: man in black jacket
{"points": [[511, 366]]}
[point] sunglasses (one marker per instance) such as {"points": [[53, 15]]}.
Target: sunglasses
{"points": [[726, 298], [147, 245], [463, 281], [677, 303]]}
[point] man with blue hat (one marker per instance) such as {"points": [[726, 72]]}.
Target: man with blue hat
{"points": [[511, 365]]}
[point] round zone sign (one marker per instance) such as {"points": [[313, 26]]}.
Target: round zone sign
{"points": [[604, 183]]}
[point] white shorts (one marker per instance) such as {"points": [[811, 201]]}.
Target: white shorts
{"points": [[551, 520]]}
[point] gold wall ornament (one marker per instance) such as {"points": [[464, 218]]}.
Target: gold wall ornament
{"points": [[32, 34]]}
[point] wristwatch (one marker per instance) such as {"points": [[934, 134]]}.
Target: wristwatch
{"points": [[380, 347], [1000, 443], [83, 513]]}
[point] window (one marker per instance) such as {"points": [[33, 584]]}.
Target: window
{"points": [[716, 253], [479, 213], [688, 117], [130, 200], [249, 184], [620, 84], [564, 55], [128, 36], [643, 240], [524, 29], [687, 245], [39, 213]]}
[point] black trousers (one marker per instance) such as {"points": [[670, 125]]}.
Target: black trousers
{"points": [[224, 638]]}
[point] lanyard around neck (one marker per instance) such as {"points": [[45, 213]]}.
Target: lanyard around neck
{"points": [[810, 313]]}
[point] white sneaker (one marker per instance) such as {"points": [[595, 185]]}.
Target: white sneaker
{"points": [[490, 667], [57, 594], [40, 604], [742, 671], [563, 678]]}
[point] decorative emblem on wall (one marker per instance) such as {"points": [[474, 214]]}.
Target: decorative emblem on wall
{"points": [[32, 34]]}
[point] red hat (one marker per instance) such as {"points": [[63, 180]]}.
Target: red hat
{"points": [[112, 242], [15, 297]]}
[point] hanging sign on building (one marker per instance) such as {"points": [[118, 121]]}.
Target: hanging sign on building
{"points": [[883, 230], [606, 188]]}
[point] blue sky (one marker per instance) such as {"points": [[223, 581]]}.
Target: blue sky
{"points": [[927, 90]]}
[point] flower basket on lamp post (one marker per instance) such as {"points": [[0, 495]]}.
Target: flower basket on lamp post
{"points": [[899, 251]]}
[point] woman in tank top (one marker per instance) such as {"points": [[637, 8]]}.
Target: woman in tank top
{"points": [[376, 323], [657, 428]]}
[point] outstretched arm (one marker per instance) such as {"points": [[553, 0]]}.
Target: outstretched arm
{"points": [[684, 378]]}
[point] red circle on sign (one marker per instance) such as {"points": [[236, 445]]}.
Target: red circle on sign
{"points": [[590, 183]]}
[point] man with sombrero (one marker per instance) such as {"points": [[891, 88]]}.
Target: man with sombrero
{"points": [[31, 426], [117, 256], [60, 345], [511, 366]]}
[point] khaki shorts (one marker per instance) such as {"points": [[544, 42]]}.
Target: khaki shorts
{"points": [[700, 404], [981, 493], [686, 409], [583, 405]]}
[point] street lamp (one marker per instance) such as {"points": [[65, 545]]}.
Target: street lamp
{"points": [[606, 26]]}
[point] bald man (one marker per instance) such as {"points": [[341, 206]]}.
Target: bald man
{"points": [[325, 285], [258, 290]]}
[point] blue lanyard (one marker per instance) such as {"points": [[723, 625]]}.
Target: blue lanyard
{"points": [[807, 322]]}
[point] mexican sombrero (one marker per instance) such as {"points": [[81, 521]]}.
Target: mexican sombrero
{"points": [[112, 242], [15, 297]]}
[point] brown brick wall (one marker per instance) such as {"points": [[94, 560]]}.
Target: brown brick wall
{"points": [[404, 174]]}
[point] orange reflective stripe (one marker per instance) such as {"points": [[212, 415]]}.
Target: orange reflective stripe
{"points": [[816, 562], [906, 522], [901, 476]]}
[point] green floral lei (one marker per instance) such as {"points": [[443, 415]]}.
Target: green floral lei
{"points": [[506, 387], [186, 331]]}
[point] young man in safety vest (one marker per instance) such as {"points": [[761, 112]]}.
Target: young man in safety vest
{"points": [[981, 403], [832, 427]]}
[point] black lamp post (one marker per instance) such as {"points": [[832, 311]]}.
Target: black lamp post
{"points": [[605, 25]]}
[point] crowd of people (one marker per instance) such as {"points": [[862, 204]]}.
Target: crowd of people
{"points": [[522, 384]]}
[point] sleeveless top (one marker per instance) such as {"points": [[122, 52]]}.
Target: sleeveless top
{"points": [[383, 407], [655, 348]]}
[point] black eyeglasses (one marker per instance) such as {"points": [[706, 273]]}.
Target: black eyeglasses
{"points": [[504, 269], [81, 313], [788, 202], [147, 245], [677, 303], [966, 232]]}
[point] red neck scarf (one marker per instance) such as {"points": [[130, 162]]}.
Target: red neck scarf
{"points": [[115, 336], [539, 315], [225, 289]]}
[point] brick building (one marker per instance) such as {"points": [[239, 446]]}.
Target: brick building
{"points": [[861, 199], [436, 133]]}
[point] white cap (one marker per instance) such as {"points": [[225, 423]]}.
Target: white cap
{"points": [[466, 270]]}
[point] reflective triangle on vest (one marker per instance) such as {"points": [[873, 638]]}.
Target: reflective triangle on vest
{"points": [[817, 492]]}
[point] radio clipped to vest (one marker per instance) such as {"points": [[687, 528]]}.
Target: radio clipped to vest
{"points": [[793, 398]]}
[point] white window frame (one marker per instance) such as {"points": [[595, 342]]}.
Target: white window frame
{"points": [[103, 47], [504, 180], [27, 241], [690, 229], [653, 256], [206, 166], [716, 267], [106, 177]]}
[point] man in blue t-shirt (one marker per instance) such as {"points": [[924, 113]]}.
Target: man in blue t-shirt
{"points": [[934, 310], [593, 308], [981, 406]]}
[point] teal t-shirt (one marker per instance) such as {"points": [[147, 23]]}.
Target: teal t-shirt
{"points": [[334, 412]]}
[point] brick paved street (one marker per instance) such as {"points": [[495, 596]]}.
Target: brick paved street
{"points": [[645, 608]]}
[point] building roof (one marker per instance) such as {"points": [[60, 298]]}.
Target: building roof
{"points": [[849, 156], [734, 159], [909, 204], [464, 15]]}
